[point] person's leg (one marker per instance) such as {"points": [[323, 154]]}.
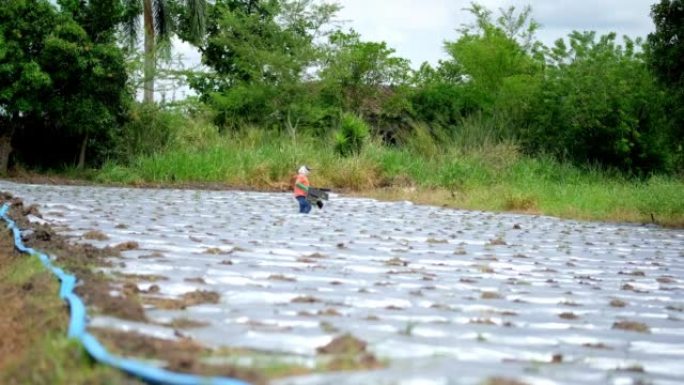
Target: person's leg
{"points": [[307, 207], [302, 204]]}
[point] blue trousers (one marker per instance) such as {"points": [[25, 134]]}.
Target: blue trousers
{"points": [[304, 205]]}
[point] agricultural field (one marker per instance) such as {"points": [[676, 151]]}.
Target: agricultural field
{"points": [[369, 292]]}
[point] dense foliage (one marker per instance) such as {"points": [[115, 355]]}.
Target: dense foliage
{"points": [[599, 104], [588, 99], [259, 52], [287, 66], [62, 79], [666, 46]]}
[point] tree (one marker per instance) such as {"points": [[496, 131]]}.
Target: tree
{"points": [[160, 19], [490, 52], [493, 71], [357, 76], [666, 58], [598, 104], [259, 53], [667, 42], [92, 90], [88, 81], [439, 100], [61, 82], [24, 25]]}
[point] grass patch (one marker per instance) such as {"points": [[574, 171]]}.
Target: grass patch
{"points": [[56, 360], [34, 348], [493, 177], [22, 270]]}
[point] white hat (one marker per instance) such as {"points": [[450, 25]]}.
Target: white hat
{"points": [[304, 170]]}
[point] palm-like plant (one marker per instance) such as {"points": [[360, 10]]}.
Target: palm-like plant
{"points": [[158, 26]]}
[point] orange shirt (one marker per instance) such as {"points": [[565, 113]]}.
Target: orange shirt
{"points": [[303, 180]]}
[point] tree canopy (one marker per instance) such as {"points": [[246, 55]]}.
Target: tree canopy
{"points": [[62, 78], [666, 54]]}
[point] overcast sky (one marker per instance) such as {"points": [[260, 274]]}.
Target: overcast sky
{"points": [[417, 29]]}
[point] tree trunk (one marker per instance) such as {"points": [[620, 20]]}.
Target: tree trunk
{"points": [[149, 66], [81, 155], [5, 151]]}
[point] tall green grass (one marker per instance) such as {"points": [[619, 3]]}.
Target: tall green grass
{"points": [[475, 172]]}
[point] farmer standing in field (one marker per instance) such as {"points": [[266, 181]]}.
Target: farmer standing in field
{"points": [[301, 188]]}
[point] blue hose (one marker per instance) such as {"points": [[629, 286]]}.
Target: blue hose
{"points": [[77, 328]]}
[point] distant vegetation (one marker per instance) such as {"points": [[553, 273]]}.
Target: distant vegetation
{"points": [[590, 127]]}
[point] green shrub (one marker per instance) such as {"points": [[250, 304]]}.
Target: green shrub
{"points": [[149, 130], [352, 134], [421, 140], [442, 103], [602, 107]]}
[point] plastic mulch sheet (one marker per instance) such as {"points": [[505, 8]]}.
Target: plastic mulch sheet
{"points": [[442, 296]]}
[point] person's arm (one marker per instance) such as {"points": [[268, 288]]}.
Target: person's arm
{"points": [[303, 186]]}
